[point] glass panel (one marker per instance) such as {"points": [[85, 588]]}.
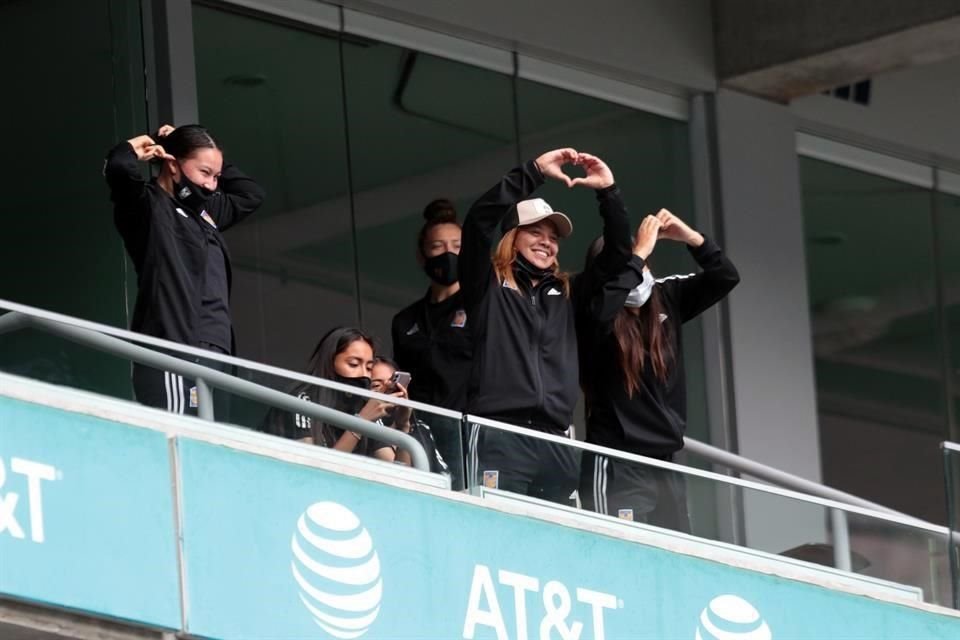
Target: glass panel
{"points": [[58, 248], [871, 273], [612, 486], [277, 109], [421, 128], [948, 230], [951, 461], [438, 432]]}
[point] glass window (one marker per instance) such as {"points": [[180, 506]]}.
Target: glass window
{"points": [[421, 128], [277, 109], [871, 277], [59, 249], [948, 231]]}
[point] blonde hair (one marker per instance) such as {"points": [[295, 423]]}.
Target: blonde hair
{"points": [[505, 255]]}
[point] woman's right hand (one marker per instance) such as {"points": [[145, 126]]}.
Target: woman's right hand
{"points": [[147, 149], [374, 409], [551, 164], [646, 238]]}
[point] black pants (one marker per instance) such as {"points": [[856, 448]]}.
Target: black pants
{"points": [[634, 491], [525, 465], [172, 392]]}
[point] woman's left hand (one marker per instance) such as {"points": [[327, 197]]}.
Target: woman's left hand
{"points": [[599, 175], [673, 228], [401, 415]]}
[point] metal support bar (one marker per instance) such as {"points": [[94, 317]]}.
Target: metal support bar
{"points": [[781, 478], [204, 400], [213, 378], [842, 556]]}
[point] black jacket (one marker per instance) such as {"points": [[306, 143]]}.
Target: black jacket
{"points": [[167, 243], [525, 349], [654, 420], [437, 352]]}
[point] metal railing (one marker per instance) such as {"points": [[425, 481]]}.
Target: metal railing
{"points": [[951, 471], [207, 377], [120, 342]]}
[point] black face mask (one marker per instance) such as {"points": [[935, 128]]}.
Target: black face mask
{"points": [[347, 402], [190, 194], [534, 272], [442, 269]]}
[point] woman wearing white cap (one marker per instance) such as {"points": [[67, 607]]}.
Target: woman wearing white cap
{"points": [[519, 301]]}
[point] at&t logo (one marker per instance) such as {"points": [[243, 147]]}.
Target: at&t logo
{"points": [[730, 617], [553, 612], [11, 518], [337, 570]]}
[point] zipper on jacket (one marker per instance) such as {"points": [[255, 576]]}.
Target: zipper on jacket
{"points": [[536, 342]]}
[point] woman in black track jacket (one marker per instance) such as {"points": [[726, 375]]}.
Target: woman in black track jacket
{"points": [[171, 227], [521, 309], [633, 377]]}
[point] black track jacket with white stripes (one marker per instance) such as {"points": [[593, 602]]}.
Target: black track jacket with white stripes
{"points": [[166, 242], [524, 341], [654, 420]]}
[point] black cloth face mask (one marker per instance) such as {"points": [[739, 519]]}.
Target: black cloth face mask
{"points": [[442, 269], [190, 194], [534, 272]]}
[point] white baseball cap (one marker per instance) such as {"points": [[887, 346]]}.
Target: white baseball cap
{"points": [[534, 210]]}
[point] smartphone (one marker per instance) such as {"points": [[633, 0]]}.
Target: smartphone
{"points": [[400, 377]]}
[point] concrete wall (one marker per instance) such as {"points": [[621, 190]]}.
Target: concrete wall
{"points": [[771, 354], [915, 109], [668, 41]]}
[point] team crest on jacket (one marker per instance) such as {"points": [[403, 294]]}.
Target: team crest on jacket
{"points": [[459, 319]]}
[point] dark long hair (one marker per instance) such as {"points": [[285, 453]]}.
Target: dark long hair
{"points": [[186, 140], [321, 365], [639, 333], [437, 212]]}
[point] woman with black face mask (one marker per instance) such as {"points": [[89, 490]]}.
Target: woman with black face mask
{"points": [[171, 227], [431, 337], [344, 355]]}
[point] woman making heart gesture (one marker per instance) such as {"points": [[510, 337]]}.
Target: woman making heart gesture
{"points": [[632, 372], [521, 308]]}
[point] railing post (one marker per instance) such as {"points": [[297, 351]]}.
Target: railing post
{"points": [[842, 558], [204, 401]]}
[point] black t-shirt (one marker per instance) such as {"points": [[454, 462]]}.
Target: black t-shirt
{"points": [[433, 342], [215, 305], [296, 426]]}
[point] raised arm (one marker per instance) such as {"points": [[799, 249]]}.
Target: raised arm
{"points": [[122, 171], [694, 294], [611, 294], [480, 227], [238, 197], [616, 249]]}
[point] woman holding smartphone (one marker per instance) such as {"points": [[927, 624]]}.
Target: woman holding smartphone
{"points": [[344, 355], [385, 378]]}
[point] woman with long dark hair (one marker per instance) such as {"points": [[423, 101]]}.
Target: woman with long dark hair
{"points": [[632, 372], [172, 229], [344, 355], [520, 305], [431, 337]]}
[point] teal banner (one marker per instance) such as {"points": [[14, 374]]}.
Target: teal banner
{"points": [[87, 515], [276, 550]]}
